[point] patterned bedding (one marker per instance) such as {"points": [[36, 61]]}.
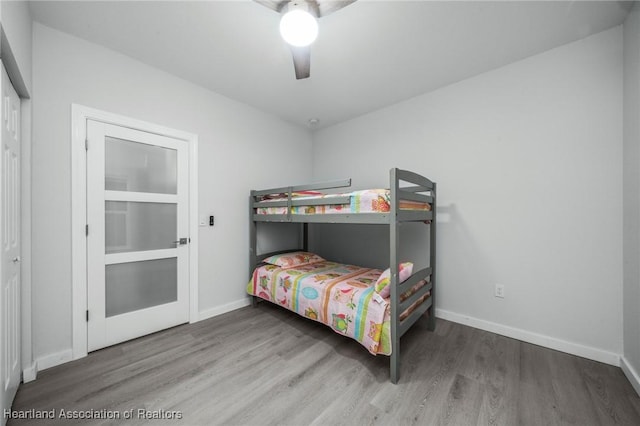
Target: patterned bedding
{"points": [[340, 296], [365, 201]]}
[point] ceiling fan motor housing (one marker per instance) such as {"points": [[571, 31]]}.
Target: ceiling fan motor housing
{"points": [[303, 5]]}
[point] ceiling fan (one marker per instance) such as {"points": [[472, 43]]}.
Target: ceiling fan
{"points": [[301, 15]]}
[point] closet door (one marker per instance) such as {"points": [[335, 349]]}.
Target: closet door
{"points": [[10, 240]]}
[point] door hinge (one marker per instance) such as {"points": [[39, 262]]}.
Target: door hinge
{"points": [[87, 315], [86, 230], [86, 144]]}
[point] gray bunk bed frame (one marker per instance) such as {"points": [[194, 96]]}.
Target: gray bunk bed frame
{"points": [[421, 190]]}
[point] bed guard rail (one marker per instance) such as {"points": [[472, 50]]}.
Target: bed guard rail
{"points": [[420, 190], [288, 191], [309, 187]]}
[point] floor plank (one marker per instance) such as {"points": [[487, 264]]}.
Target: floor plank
{"points": [[265, 365]]}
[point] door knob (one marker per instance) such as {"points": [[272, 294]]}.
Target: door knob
{"points": [[16, 259], [181, 241]]}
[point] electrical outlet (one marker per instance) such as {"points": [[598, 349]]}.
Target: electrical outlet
{"points": [[499, 291]]}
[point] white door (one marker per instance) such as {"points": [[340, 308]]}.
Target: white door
{"points": [[10, 239], [137, 253]]}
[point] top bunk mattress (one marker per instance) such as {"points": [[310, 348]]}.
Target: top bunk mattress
{"points": [[363, 201]]}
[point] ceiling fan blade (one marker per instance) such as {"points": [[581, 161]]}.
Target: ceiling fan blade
{"points": [[301, 61], [321, 7], [326, 7], [275, 5]]}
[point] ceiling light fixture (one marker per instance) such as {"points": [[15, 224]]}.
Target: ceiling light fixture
{"points": [[298, 25]]}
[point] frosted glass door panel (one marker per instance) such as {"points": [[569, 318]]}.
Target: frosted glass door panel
{"points": [[138, 167], [139, 285], [135, 226]]}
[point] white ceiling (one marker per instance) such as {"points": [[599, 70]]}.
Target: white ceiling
{"points": [[368, 55]]}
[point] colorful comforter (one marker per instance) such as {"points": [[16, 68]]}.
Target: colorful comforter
{"points": [[365, 201], [340, 296]]}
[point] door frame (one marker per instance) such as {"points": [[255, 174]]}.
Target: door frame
{"points": [[79, 116]]}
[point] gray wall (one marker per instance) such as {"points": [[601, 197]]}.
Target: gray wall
{"points": [[528, 161], [240, 148], [631, 187]]}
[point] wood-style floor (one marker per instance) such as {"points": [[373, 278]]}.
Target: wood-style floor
{"points": [[265, 365]]}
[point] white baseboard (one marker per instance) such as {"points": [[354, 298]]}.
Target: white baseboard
{"points": [[219, 310], [631, 374], [52, 360], [30, 373], [535, 338]]}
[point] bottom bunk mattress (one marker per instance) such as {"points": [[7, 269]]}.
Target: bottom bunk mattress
{"points": [[341, 296]]}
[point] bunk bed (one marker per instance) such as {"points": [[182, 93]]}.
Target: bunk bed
{"points": [[410, 294]]}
